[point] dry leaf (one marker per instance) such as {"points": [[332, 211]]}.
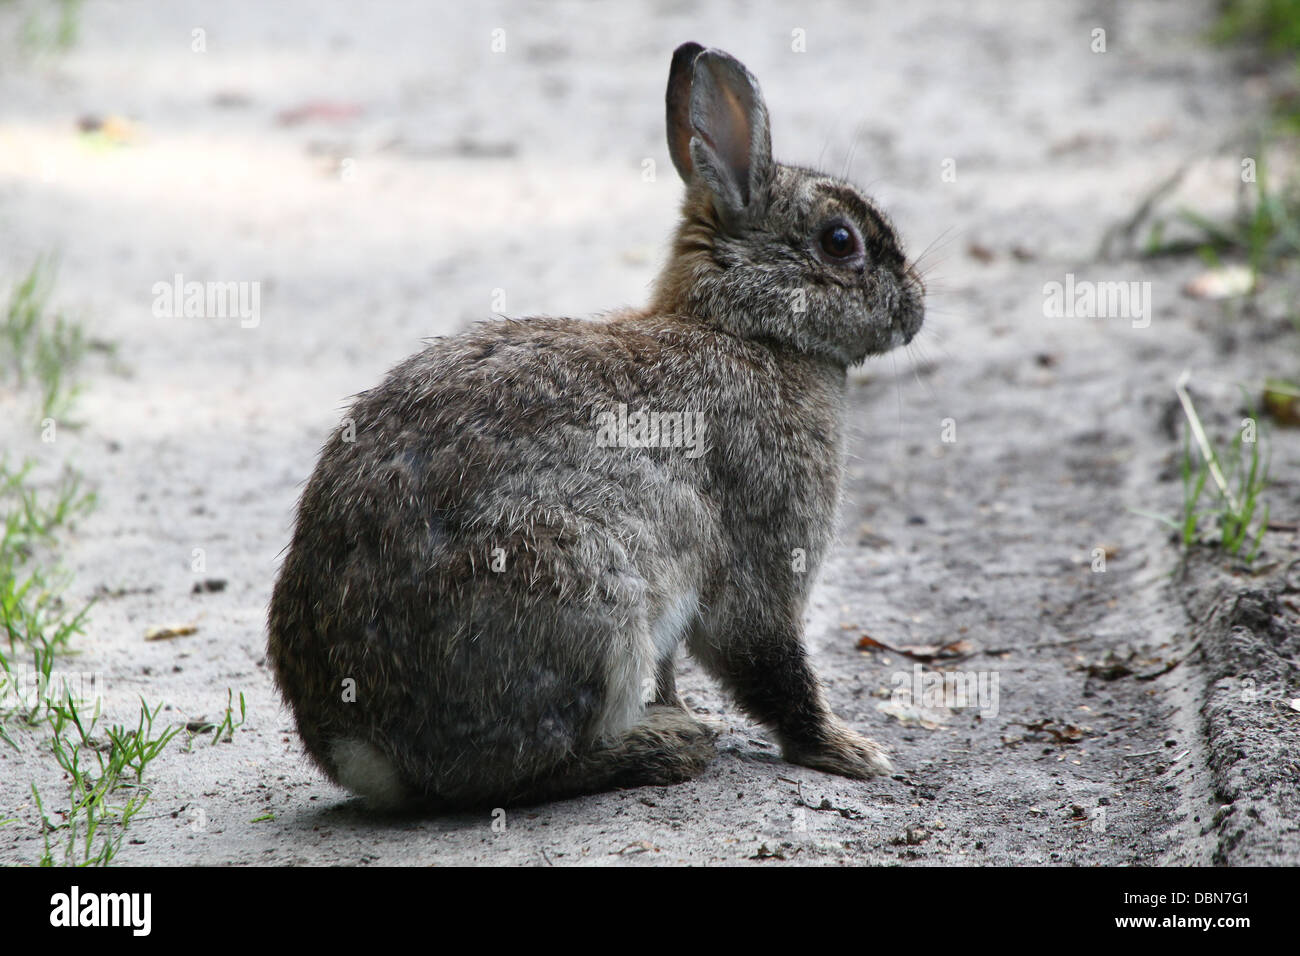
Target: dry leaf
{"points": [[640, 846], [320, 110], [1282, 402], [167, 633], [765, 854], [920, 652], [1067, 734], [1224, 283], [115, 130]]}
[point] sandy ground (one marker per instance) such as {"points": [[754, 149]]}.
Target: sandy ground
{"points": [[467, 182]]}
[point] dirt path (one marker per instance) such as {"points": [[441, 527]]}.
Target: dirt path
{"points": [[465, 175]]}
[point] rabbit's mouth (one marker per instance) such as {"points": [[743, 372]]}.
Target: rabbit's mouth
{"points": [[904, 320], [906, 326], [909, 317], [897, 337]]}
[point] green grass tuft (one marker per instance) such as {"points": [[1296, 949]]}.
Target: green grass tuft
{"points": [[1234, 475], [39, 347], [1273, 23]]}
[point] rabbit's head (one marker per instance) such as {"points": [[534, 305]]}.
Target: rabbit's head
{"points": [[768, 251]]}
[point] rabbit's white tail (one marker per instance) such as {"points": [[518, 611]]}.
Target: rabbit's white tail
{"points": [[364, 770]]}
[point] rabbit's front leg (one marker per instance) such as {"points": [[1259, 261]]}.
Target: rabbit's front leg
{"points": [[762, 661], [666, 683]]}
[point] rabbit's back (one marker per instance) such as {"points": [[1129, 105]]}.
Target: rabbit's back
{"points": [[474, 574]]}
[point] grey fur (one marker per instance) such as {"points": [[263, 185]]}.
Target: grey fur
{"points": [[501, 589]]}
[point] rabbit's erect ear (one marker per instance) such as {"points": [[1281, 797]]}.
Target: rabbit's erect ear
{"points": [[679, 107], [718, 130]]}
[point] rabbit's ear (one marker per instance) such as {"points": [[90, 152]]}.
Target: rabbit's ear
{"points": [[678, 101], [728, 146]]}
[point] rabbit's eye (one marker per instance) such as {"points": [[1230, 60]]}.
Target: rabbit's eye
{"points": [[838, 241]]}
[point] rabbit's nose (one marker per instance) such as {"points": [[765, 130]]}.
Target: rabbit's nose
{"points": [[911, 314]]}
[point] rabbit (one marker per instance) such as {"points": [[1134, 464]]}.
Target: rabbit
{"points": [[506, 542]]}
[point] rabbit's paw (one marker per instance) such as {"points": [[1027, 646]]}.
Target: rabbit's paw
{"points": [[845, 753], [671, 745]]}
